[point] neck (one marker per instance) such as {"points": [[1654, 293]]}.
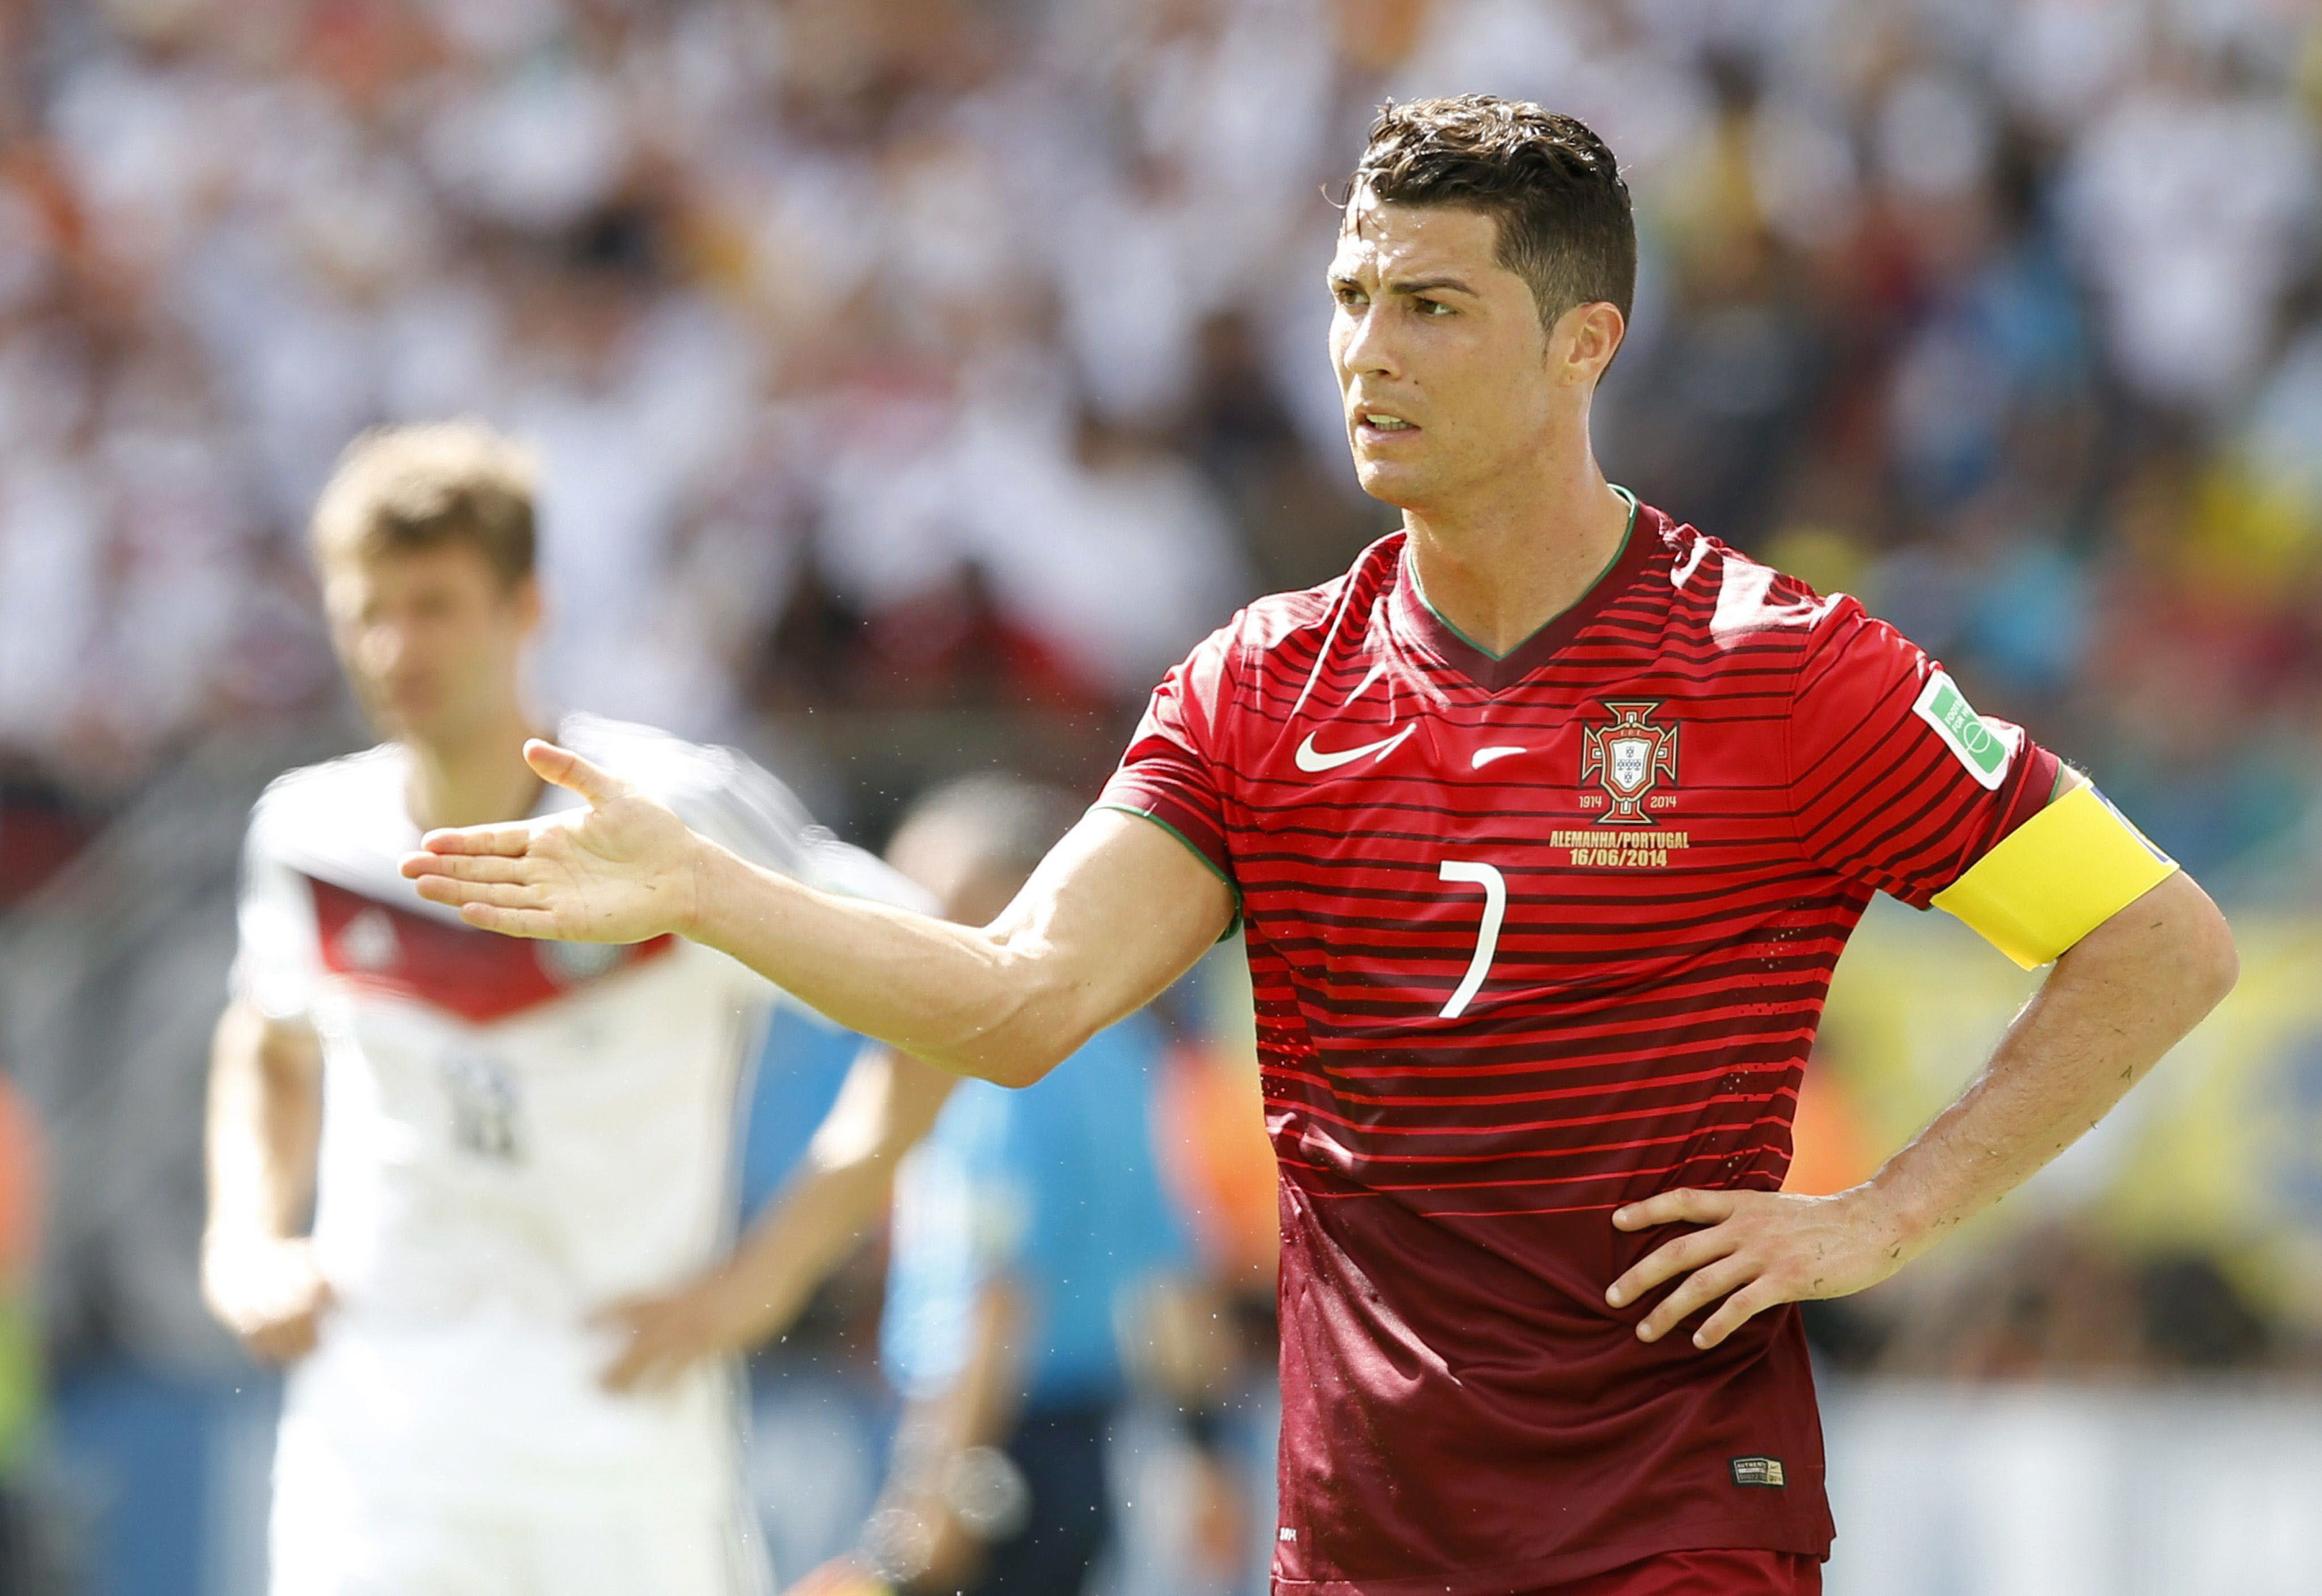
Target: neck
{"points": [[1501, 568], [475, 780]]}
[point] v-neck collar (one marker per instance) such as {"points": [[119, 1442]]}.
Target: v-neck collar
{"points": [[1492, 671]]}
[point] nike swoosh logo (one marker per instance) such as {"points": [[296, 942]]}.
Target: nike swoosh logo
{"points": [[1484, 756], [1312, 760]]}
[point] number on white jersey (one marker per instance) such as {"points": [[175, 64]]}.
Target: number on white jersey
{"points": [[485, 1100]]}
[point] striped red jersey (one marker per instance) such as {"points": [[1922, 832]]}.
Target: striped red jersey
{"points": [[1531, 937]]}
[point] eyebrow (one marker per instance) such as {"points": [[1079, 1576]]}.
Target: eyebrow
{"points": [[1414, 285]]}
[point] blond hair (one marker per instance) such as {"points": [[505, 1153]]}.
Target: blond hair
{"points": [[398, 488]]}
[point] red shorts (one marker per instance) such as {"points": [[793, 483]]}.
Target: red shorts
{"points": [[1704, 1573]]}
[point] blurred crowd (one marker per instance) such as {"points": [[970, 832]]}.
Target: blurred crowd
{"points": [[944, 353], [899, 364]]}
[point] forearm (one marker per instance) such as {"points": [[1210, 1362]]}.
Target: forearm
{"points": [[804, 1233], [2111, 1008], [960, 998], [264, 1124], [839, 1192]]}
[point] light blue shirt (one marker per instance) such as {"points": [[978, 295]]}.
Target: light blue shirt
{"points": [[800, 1068], [1053, 1188]]}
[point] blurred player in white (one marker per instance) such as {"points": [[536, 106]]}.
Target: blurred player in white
{"points": [[506, 1144]]}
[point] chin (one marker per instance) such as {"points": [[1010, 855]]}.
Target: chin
{"points": [[410, 723], [1390, 485]]}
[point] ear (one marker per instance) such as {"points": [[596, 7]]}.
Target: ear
{"points": [[1583, 341], [525, 596]]}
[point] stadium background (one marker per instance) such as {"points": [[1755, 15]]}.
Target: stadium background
{"points": [[914, 380]]}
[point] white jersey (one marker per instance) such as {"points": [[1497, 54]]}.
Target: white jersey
{"points": [[514, 1133]]}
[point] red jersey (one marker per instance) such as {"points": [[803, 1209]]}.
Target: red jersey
{"points": [[1531, 937]]}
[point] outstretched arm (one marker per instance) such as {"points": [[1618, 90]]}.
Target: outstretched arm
{"points": [[1118, 911], [2116, 1002]]}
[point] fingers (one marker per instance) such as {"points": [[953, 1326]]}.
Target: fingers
{"points": [[459, 891], [283, 1339], [486, 868], [280, 1343], [1747, 1248], [1670, 1259], [658, 1350], [657, 1341], [1687, 1205], [568, 770], [535, 922], [511, 909], [1697, 1290], [508, 907], [1753, 1299], [512, 839], [269, 1294], [622, 1313], [625, 1372]]}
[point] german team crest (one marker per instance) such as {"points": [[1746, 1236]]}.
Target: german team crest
{"points": [[1628, 759]]}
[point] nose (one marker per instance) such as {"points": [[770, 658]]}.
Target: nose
{"points": [[1364, 348]]}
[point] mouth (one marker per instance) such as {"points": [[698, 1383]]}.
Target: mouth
{"points": [[407, 697], [1374, 428]]}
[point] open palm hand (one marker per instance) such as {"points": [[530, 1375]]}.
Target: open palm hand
{"points": [[623, 870]]}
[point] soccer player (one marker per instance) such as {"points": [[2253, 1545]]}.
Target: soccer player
{"points": [[1546, 825], [501, 1140]]}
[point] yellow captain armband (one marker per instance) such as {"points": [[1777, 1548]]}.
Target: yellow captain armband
{"points": [[2056, 877]]}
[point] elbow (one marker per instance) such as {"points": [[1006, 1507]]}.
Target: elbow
{"points": [[2171, 952], [2212, 962], [1018, 1070], [2195, 960], [1043, 1028], [1026, 1058], [1041, 1019]]}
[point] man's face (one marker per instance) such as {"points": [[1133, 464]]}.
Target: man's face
{"points": [[431, 638], [952, 864], [1448, 376]]}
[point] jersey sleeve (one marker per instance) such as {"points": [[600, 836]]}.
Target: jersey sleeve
{"points": [[752, 813], [1172, 772], [278, 961], [743, 808], [748, 810], [1895, 780]]}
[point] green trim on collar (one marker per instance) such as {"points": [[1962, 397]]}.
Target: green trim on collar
{"points": [[1626, 533]]}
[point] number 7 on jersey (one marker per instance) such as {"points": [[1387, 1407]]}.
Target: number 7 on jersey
{"points": [[1487, 935]]}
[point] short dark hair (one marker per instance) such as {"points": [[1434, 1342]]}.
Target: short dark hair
{"points": [[1549, 181], [398, 488]]}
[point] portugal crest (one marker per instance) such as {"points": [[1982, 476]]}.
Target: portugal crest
{"points": [[1628, 757]]}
